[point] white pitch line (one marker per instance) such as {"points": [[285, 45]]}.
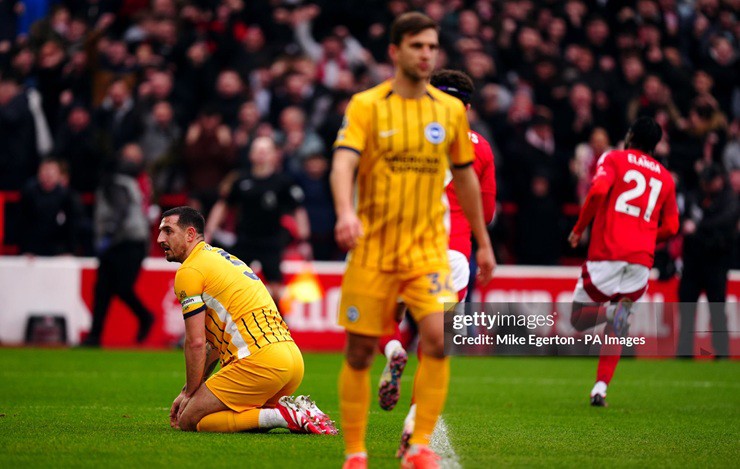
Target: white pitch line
{"points": [[440, 444]]}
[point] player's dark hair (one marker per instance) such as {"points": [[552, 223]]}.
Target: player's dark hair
{"points": [[188, 216], [410, 23], [644, 134], [455, 83]]}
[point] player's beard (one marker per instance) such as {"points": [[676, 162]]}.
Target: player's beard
{"points": [[415, 75], [170, 255]]}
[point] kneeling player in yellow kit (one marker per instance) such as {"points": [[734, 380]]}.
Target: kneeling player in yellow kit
{"points": [[229, 315]]}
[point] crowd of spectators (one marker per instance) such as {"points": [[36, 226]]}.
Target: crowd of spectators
{"points": [[195, 82]]}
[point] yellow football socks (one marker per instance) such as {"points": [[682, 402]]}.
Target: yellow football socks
{"points": [[228, 421], [430, 393], [354, 404]]}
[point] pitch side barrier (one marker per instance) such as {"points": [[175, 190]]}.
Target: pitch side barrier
{"points": [[63, 286]]}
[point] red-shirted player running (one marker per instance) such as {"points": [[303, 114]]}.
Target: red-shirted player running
{"points": [[632, 202], [459, 85]]}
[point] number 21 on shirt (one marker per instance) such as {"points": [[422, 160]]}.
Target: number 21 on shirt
{"points": [[623, 205]]}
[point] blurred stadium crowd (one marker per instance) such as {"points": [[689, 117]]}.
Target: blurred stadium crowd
{"points": [[179, 89]]}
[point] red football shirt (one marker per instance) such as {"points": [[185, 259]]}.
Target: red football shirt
{"points": [[483, 166], [639, 195]]}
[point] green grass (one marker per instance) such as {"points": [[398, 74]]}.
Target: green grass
{"points": [[96, 408]]}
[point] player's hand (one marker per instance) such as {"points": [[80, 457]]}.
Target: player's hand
{"points": [[183, 405], [348, 230], [305, 250], [175, 410], [486, 265], [574, 239]]}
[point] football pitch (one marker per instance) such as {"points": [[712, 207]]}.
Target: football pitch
{"points": [[94, 408]]}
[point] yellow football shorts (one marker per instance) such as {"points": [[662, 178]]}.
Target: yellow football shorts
{"points": [[259, 380], [369, 297]]}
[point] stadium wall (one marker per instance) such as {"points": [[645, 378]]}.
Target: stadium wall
{"points": [[64, 287]]}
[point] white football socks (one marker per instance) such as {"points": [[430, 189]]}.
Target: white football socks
{"points": [[599, 388], [271, 418], [391, 347]]}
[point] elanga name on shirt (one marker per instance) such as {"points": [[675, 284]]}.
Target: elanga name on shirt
{"points": [[643, 162]]}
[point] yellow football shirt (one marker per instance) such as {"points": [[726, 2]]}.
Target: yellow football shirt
{"points": [[241, 315], [404, 147]]}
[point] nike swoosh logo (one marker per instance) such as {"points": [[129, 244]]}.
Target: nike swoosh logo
{"points": [[387, 133]]}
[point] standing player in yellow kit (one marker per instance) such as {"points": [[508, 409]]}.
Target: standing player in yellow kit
{"points": [[230, 315], [401, 137]]}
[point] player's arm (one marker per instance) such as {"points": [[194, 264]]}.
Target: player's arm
{"points": [[189, 285], [486, 173], [212, 356], [669, 222], [302, 223], [215, 219], [217, 215], [600, 187], [348, 228], [294, 199], [195, 364], [351, 142], [468, 194], [195, 352]]}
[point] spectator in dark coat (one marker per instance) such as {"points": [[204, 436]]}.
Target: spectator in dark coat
{"points": [[75, 145], [18, 157], [50, 214], [117, 118]]}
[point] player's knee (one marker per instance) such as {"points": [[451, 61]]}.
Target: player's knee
{"points": [[434, 346], [360, 351], [575, 317], [188, 422], [360, 354], [575, 322], [360, 358]]}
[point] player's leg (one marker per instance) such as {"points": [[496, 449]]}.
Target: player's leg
{"points": [[270, 260], [598, 282], [426, 293], [633, 281], [203, 403], [716, 290], [689, 289], [283, 400], [254, 393], [461, 278], [366, 311], [389, 385], [388, 339], [129, 265], [101, 302], [588, 308], [354, 391]]}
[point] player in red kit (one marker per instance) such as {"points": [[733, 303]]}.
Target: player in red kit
{"points": [[459, 85], [632, 202]]}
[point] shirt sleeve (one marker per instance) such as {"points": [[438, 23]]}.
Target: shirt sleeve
{"points": [[669, 222], [189, 285], [292, 195], [461, 148], [605, 171], [353, 134], [486, 172], [232, 196]]}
